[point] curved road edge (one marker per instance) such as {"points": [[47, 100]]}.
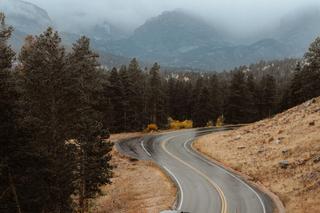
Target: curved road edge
{"points": [[142, 153], [179, 195], [276, 200]]}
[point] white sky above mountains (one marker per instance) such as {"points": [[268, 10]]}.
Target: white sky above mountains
{"points": [[239, 15]]}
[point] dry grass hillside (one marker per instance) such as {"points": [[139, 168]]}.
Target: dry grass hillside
{"points": [[282, 153], [135, 187]]}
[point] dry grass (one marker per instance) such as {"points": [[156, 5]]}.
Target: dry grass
{"points": [[121, 136], [138, 187], [257, 149]]}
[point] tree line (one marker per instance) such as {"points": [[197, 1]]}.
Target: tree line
{"points": [[242, 95]]}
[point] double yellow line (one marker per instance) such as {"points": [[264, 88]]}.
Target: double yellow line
{"points": [[224, 208]]}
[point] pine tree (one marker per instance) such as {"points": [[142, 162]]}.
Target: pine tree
{"points": [[311, 71], [296, 95], [195, 98], [135, 89], [253, 96], [238, 101], [126, 110], [44, 96], [156, 100], [113, 93], [94, 152], [268, 96], [203, 112], [10, 200], [215, 97], [171, 97]]}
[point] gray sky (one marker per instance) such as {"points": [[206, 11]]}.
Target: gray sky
{"points": [[240, 15]]}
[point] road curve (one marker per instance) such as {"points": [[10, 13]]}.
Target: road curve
{"points": [[204, 187]]}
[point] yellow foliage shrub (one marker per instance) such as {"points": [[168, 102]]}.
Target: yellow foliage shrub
{"points": [[175, 124], [209, 124], [152, 127], [220, 121]]}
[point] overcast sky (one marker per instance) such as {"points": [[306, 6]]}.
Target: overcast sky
{"points": [[247, 15]]}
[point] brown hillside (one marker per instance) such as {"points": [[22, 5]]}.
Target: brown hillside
{"points": [[282, 153]]}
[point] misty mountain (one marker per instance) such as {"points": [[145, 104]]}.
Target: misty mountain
{"points": [[26, 18], [175, 38], [299, 29], [105, 32], [178, 39]]}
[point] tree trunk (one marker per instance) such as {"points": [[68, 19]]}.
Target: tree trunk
{"points": [[82, 198], [14, 192]]}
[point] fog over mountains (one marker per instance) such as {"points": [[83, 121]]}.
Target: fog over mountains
{"points": [[177, 38]]}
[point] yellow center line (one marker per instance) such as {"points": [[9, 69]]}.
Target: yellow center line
{"points": [[220, 192]]}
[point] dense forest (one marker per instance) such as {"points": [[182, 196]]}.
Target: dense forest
{"points": [[57, 108]]}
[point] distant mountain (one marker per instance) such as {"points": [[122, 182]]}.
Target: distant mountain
{"points": [[178, 39], [175, 38], [299, 29], [26, 18], [168, 37], [105, 32]]}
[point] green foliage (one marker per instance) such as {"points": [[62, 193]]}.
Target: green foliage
{"points": [[86, 122], [156, 97], [238, 100], [306, 81], [203, 109], [267, 96]]}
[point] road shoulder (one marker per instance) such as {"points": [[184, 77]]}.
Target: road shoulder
{"points": [[135, 186]]}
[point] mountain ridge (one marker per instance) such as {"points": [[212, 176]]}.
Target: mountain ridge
{"points": [[176, 38]]}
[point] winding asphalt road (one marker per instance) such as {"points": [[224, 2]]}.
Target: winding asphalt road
{"points": [[204, 187]]}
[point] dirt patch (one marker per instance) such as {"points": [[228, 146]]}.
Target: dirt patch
{"points": [[282, 153], [138, 186], [121, 136]]}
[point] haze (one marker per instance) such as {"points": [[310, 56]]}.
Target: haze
{"points": [[241, 16]]}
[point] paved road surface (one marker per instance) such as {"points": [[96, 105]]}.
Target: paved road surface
{"points": [[204, 187]]}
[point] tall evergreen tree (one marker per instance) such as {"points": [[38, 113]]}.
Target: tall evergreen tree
{"points": [[44, 80], [114, 102], [311, 71], [268, 96], [296, 95], [10, 146], [156, 100], [253, 99], [125, 99], [94, 152], [203, 109], [215, 97], [135, 88], [195, 97], [238, 101]]}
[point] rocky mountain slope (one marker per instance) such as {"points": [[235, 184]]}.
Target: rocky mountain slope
{"points": [[26, 18], [282, 153]]}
